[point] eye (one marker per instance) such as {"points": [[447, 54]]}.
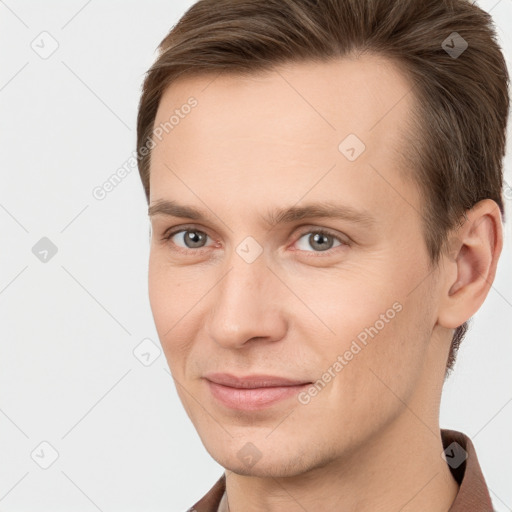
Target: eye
{"points": [[187, 238], [320, 240]]}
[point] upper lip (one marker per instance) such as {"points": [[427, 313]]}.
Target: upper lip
{"points": [[252, 381]]}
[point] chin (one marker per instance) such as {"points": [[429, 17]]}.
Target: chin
{"points": [[275, 465]]}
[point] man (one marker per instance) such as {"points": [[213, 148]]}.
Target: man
{"points": [[324, 185]]}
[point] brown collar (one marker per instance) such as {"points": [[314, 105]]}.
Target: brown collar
{"points": [[473, 493]]}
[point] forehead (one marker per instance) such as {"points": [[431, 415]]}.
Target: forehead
{"points": [[369, 95], [287, 127]]}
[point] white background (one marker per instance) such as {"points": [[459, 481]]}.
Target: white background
{"points": [[69, 326]]}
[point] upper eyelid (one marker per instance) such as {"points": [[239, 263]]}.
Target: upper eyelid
{"points": [[178, 229]]}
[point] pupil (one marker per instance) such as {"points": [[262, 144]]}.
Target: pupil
{"points": [[317, 239], [194, 237]]}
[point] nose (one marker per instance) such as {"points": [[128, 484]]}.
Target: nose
{"points": [[247, 304]]}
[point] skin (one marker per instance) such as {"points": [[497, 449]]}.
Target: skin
{"points": [[370, 440]]}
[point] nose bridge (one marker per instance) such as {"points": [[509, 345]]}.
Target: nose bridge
{"points": [[243, 303]]}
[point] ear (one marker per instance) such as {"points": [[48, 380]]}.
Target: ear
{"points": [[474, 248]]}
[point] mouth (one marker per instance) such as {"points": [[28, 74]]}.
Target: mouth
{"points": [[252, 392]]}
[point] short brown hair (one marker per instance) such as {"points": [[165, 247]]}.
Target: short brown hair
{"points": [[462, 101]]}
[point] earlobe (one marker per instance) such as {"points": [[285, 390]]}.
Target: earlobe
{"points": [[472, 259]]}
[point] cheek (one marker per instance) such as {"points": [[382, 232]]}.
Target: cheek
{"points": [[158, 293], [346, 301], [170, 291], [368, 317], [167, 302]]}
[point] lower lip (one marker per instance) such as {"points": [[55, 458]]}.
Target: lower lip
{"points": [[252, 399]]}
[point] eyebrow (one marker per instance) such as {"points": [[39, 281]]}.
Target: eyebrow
{"points": [[288, 215]]}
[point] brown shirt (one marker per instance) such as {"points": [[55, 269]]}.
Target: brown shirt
{"points": [[473, 495]]}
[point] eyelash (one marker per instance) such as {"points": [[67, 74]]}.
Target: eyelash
{"points": [[321, 231]]}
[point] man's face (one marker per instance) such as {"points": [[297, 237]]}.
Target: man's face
{"points": [[231, 293]]}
